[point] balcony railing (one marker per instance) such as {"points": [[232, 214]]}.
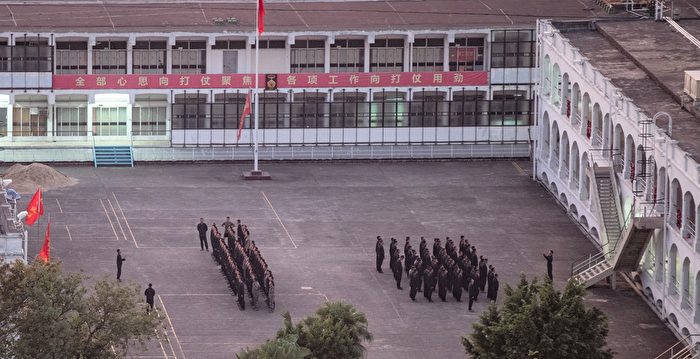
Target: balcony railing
{"points": [[673, 287], [576, 120], [564, 171], [685, 301], [597, 139], [689, 231]]}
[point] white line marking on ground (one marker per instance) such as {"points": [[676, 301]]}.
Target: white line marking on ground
{"points": [[165, 334], [278, 218], [117, 218], [125, 221], [59, 206], [171, 326], [483, 3], [109, 219], [69, 236], [507, 17], [387, 296]]}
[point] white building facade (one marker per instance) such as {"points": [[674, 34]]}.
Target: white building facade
{"points": [[584, 121]]}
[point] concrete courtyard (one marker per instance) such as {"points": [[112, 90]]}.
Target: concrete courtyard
{"points": [[315, 224]]}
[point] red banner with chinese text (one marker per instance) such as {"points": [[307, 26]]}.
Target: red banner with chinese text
{"points": [[298, 80]]}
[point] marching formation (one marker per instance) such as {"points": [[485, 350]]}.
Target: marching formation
{"points": [[242, 264], [449, 268]]}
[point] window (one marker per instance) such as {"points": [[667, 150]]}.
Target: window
{"points": [[3, 121], [150, 57], [271, 44], [348, 56], [71, 57], [227, 109], [428, 55], [512, 48], [28, 55], [109, 57], [189, 57], [386, 55], [191, 111], [71, 121], [29, 121], [274, 110], [428, 109], [109, 121], [389, 109], [307, 56], [469, 108], [229, 45], [149, 115], [510, 108], [309, 110], [467, 54], [349, 109]]}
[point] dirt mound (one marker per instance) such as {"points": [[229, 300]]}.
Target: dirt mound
{"points": [[26, 179]]}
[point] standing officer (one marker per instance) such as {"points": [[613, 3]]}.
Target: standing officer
{"points": [[493, 288], [414, 282], [442, 283], [149, 293], [436, 247], [202, 229], [549, 259], [398, 272], [428, 283], [473, 292], [120, 260], [483, 272], [379, 248], [393, 253], [457, 284]]}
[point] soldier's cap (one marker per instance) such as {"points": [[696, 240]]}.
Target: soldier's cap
{"points": [[379, 237]]}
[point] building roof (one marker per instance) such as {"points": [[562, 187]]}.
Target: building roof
{"points": [[177, 15], [646, 60]]}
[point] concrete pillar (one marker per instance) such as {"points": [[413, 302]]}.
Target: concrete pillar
{"points": [[370, 40], [90, 44], [130, 54], [327, 53]]}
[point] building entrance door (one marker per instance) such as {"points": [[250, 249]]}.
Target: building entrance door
{"points": [[230, 62]]}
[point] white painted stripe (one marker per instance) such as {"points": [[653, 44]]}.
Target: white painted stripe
{"points": [[280, 220]]}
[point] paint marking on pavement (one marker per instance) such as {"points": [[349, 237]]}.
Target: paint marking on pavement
{"points": [[59, 206], [109, 219], [278, 218], [125, 221], [518, 168], [171, 326], [69, 236], [117, 218]]}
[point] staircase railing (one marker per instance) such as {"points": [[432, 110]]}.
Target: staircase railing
{"points": [[681, 349], [601, 253]]}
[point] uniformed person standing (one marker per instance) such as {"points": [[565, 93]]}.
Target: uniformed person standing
{"points": [[483, 271], [379, 248], [473, 292], [428, 283], [393, 253], [150, 293], [550, 258], [493, 288], [202, 229], [413, 282], [121, 260], [442, 283], [457, 284], [398, 272]]}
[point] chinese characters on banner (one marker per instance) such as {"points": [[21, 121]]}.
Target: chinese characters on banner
{"points": [[299, 80]]}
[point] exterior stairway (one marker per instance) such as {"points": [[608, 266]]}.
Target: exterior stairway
{"points": [[625, 240], [113, 156], [681, 350]]}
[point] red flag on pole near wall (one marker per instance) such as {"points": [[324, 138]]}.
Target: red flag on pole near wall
{"points": [[44, 253], [246, 113], [35, 208], [261, 17]]}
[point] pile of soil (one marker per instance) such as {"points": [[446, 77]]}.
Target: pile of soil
{"points": [[26, 179]]}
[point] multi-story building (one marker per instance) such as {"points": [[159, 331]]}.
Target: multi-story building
{"points": [[617, 144], [352, 79]]}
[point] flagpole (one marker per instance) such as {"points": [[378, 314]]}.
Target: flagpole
{"points": [[257, 86]]}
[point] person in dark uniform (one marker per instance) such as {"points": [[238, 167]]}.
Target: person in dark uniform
{"points": [[202, 229], [419, 267], [442, 284], [473, 292], [120, 260], [428, 283], [489, 280], [408, 261], [413, 282], [406, 249], [483, 271], [436, 247], [379, 248], [477, 279], [239, 231], [457, 284], [549, 259], [393, 253], [150, 293], [493, 287], [398, 272]]}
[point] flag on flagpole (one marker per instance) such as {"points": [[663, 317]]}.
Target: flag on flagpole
{"points": [[35, 208], [246, 113], [45, 249], [261, 17]]}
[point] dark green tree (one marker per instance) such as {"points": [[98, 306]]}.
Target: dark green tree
{"points": [[337, 330], [539, 322], [278, 348], [45, 313]]}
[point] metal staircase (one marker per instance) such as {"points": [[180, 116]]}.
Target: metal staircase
{"points": [[683, 349], [624, 241], [113, 156]]}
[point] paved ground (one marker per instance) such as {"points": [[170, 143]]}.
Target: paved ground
{"points": [[315, 224]]}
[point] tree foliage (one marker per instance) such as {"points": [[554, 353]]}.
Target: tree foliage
{"points": [[536, 321], [45, 313], [279, 348], [336, 331]]}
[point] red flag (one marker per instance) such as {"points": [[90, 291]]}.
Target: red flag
{"points": [[35, 208], [246, 113], [44, 253], [261, 17]]}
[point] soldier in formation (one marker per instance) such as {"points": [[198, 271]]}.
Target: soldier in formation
{"points": [[454, 268]]}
